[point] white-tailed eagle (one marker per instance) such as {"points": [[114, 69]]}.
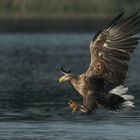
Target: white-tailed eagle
{"points": [[103, 83]]}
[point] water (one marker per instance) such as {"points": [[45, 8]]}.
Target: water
{"points": [[33, 105]]}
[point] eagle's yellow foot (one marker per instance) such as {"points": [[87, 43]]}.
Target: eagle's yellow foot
{"points": [[73, 105], [84, 109]]}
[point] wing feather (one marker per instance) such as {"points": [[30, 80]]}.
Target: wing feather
{"points": [[111, 49]]}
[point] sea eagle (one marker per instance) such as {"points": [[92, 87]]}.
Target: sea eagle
{"points": [[103, 83]]}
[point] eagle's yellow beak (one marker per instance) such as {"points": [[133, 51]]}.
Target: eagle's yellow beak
{"points": [[61, 79], [65, 77]]}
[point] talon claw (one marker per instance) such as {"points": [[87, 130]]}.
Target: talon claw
{"points": [[73, 105]]}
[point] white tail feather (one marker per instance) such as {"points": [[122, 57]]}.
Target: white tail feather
{"points": [[128, 97], [128, 104], [121, 91]]}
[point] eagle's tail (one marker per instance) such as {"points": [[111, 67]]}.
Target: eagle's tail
{"points": [[121, 91]]}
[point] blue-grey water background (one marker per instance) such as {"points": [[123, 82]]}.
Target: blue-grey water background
{"points": [[33, 105]]}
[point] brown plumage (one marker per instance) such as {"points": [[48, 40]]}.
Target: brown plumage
{"points": [[111, 49]]}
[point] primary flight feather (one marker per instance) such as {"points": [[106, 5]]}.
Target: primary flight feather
{"points": [[103, 83]]}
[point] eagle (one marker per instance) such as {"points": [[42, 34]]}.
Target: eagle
{"points": [[103, 84]]}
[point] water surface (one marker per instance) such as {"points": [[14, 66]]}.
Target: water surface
{"points": [[33, 105]]}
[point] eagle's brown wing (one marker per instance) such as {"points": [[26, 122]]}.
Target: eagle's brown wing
{"points": [[111, 49]]}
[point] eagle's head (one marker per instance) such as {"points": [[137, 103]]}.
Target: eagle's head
{"points": [[67, 76]]}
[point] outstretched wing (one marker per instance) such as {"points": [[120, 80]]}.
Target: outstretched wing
{"points": [[111, 49]]}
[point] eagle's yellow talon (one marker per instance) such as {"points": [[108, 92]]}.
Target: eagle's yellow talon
{"points": [[73, 105]]}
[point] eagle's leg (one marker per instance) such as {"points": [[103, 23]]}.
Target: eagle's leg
{"points": [[89, 104], [73, 105]]}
